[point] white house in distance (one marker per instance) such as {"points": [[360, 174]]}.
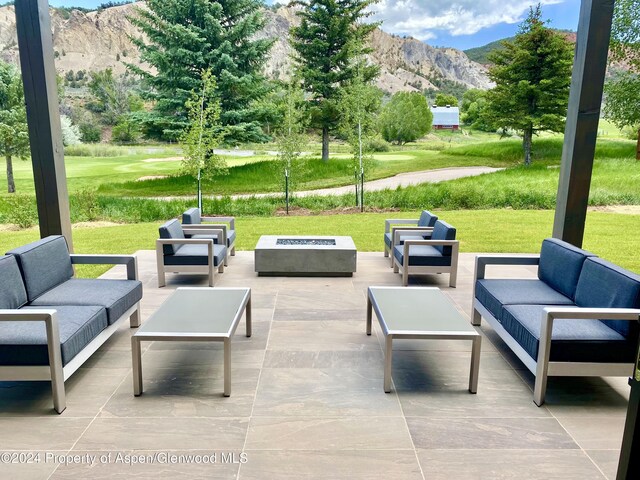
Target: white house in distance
{"points": [[446, 118]]}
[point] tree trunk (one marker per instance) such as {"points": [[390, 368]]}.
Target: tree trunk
{"points": [[526, 145], [638, 146], [325, 144], [10, 182]]}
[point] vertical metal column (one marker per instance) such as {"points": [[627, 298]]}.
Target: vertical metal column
{"points": [[585, 98], [629, 464], [35, 42]]}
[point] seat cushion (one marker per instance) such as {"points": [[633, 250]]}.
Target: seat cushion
{"points": [[12, 291], [427, 219], [571, 340], [117, 296], [231, 237], [25, 343], [191, 217], [443, 231], [560, 265], [423, 256], [196, 255], [494, 293], [44, 264], [171, 229], [403, 238], [605, 285]]}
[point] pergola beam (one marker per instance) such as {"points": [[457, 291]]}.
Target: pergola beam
{"points": [[585, 99], [35, 44]]}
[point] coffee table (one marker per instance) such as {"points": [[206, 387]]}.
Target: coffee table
{"points": [[195, 315], [423, 313]]}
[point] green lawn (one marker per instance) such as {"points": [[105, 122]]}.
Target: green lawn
{"points": [[612, 236]]}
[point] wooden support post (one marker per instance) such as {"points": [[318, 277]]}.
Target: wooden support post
{"points": [[35, 42], [585, 98]]}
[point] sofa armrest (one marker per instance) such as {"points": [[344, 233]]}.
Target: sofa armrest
{"points": [[131, 261], [483, 260], [399, 221], [454, 244], [207, 229], [397, 231], [230, 220]]}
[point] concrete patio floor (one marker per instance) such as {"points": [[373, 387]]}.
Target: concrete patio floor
{"points": [[307, 399]]}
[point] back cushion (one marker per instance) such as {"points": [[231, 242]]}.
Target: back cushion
{"points": [[560, 265], [192, 217], [605, 285], [427, 219], [12, 291], [171, 229], [443, 231], [44, 264]]}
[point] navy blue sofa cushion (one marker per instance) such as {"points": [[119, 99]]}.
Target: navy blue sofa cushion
{"points": [[560, 265], [423, 256], [116, 296], [388, 239], [192, 217], [231, 237], [44, 264], [571, 340], [494, 293], [427, 219], [171, 229], [196, 255], [605, 285], [12, 292], [25, 343], [443, 231]]}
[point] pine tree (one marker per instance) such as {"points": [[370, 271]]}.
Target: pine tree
{"points": [[186, 37], [330, 47], [532, 76]]}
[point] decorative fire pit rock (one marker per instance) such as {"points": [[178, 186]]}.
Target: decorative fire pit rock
{"points": [[308, 256]]}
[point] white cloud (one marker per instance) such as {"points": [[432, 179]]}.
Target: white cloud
{"points": [[422, 18]]}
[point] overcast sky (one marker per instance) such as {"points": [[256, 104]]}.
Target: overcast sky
{"points": [[452, 23]]}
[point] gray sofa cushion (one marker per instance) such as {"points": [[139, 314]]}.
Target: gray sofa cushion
{"points": [[171, 229], [12, 291], [603, 284], [44, 264], [388, 238], [25, 343], [117, 296], [231, 237], [560, 265], [423, 256], [494, 293], [443, 231], [427, 219], [196, 255], [571, 340], [191, 217]]}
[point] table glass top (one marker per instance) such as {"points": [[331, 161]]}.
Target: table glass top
{"points": [[420, 309], [197, 310]]}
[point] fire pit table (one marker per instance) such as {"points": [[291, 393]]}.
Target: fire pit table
{"points": [[298, 255]]}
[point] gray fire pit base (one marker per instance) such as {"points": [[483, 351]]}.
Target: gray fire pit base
{"points": [[305, 256]]}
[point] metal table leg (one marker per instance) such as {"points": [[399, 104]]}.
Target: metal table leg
{"points": [[137, 365], [475, 364], [387, 363], [227, 367]]}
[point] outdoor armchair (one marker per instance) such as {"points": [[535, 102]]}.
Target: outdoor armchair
{"points": [[177, 254], [195, 220], [415, 228], [439, 254]]}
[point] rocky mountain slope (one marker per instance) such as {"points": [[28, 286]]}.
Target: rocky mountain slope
{"points": [[96, 40]]}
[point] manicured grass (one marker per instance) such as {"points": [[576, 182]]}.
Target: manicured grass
{"points": [[612, 236]]}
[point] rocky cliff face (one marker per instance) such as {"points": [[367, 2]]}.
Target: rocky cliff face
{"points": [[101, 39]]}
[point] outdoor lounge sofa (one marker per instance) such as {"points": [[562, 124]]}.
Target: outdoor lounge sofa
{"points": [[578, 318], [416, 228], [193, 219], [51, 322], [177, 254], [439, 254]]}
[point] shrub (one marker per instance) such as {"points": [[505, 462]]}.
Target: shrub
{"points": [[90, 133], [70, 133], [21, 210], [379, 144], [85, 206], [127, 130]]}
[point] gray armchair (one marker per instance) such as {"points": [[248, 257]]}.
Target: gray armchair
{"points": [[414, 228], [199, 224]]}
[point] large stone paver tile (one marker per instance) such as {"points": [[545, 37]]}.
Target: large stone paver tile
{"points": [[326, 392], [319, 314], [322, 359], [164, 433], [175, 354], [503, 464], [595, 433], [607, 461], [322, 433], [41, 433], [321, 298], [321, 335], [19, 468], [491, 433], [337, 464]]}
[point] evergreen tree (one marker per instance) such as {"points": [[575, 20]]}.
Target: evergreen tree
{"points": [[186, 37], [329, 46], [14, 134], [532, 76]]}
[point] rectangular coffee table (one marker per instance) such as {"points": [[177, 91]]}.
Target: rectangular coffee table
{"points": [[195, 315], [420, 312]]}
